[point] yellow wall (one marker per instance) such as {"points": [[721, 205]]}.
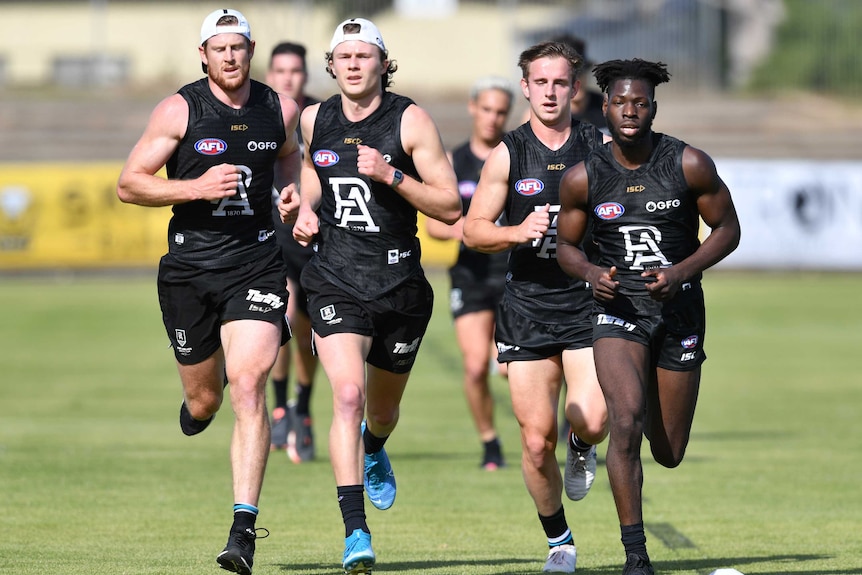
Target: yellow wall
{"points": [[68, 215]]}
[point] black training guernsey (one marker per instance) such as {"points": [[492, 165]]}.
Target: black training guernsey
{"points": [[536, 286], [367, 243], [481, 266], [644, 218], [231, 231]]}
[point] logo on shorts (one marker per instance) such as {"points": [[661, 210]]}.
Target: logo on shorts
{"points": [[327, 313], [269, 301], [605, 319], [181, 348], [504, 347], [690, 342], [407, 347], [688, 356]]}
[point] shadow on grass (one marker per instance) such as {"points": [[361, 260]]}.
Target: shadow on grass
{"points": [[521, 566]]}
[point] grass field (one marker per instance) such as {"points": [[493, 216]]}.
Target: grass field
{"points": [[96, 478]]}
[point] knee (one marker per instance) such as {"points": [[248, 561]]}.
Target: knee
{"points": [[475, 371], [667, 455], [203, 404], [537, 448]]}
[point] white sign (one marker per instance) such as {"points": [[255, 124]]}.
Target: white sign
{"points": [[796, 213]]}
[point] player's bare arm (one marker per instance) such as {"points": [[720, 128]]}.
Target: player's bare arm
{"points": [[307, 224], [717, 211], [436, 195], [289, 163], [571, 227], [481, 231], [138, 183]]}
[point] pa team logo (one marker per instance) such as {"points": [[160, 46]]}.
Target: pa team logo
{"points": [[609, 210], [210, 146], [529, 186], [325, 158], [690, 342]]}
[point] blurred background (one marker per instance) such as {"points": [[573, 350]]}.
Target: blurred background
{"points": [[769, 88]]}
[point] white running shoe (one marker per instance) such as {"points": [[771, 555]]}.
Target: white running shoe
{"points": [[580, 471], [561, 559]]}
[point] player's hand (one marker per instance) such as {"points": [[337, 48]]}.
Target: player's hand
{"points": [[666, 283], [306, 226], [218, 182], [604, 285], [535, 224], [288, 205], [370, 163]]}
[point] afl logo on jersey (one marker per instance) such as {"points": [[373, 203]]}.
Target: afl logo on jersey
{"points": [[325, 158], [529, 186], [211, 146], [690, 342], [609, 210]]}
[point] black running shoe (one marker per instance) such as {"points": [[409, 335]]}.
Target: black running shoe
{"points": [[189, 424], [637, 565], [238, 554]]}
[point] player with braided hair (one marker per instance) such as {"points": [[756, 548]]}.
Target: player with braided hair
{"points": [[643, 197]]}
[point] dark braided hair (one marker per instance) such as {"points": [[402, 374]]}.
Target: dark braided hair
{"points": [[607, 73]]}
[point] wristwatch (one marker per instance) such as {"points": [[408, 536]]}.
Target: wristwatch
{"points": [[397, 178]]}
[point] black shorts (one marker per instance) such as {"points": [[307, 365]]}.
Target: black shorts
{"points": [[470, 294], [396, 321], [295, 257], [674, 335], [520, 338], [196, 302]]}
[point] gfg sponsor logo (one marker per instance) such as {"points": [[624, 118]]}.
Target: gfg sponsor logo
{"points": [[609, 210], [256, 146], [662, 205], [529, 186], [210, 146], [325, 158]]}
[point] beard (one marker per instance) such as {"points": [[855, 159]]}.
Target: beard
{"points": [[229, 84]]}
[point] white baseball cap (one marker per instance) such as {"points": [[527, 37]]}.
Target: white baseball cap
{"points": [[368, 33], [210, 27]]}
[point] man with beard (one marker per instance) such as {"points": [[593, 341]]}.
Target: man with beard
{"points": [[221, 285], [644, 196]]}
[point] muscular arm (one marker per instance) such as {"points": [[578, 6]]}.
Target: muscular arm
{"points": [[717, 211], [435, 194], [138, 183], [481, 231], [571, 228], [288, 164], [306, 225]]}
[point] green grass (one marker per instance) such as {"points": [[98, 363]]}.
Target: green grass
{"points": [[96, 478]]}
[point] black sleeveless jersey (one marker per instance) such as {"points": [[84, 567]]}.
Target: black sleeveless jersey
{"points": [[367, 243], [644, 218], [227, 232], [481, 266], [536, 285]]}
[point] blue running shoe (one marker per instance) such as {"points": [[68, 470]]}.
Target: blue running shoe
{"points": [[358, 555], [379, 479]]}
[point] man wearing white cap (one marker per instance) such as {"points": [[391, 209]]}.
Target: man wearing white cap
{"points": [[221, 285], [374, 158]]}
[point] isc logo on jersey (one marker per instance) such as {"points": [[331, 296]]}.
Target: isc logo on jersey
{"points": [[609, 210], [210, 146], [529, 186], [325, 158]]}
